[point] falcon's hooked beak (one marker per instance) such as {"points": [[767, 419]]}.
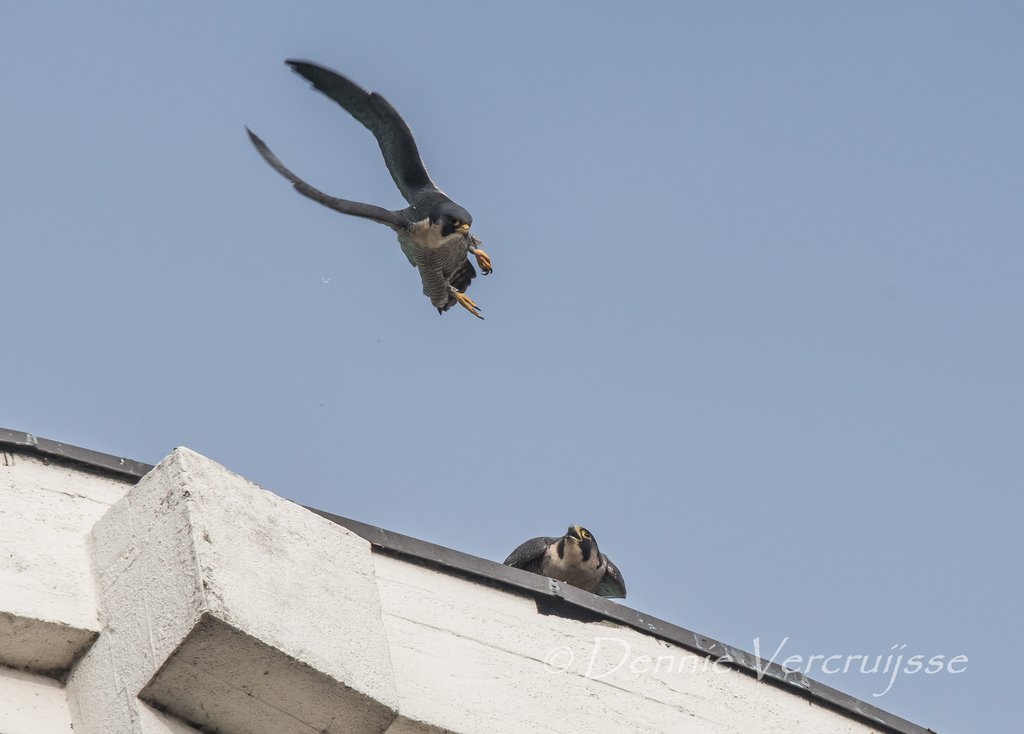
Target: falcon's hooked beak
{"points": [[574, 533], [463, 228]]}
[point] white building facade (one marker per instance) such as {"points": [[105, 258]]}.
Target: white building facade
{"points": [[183, 598]]}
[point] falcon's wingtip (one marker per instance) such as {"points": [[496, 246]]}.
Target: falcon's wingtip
{"points": [[297, 65], [263, 150]]}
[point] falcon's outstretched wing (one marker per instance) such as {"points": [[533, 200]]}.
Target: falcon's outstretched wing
{"points": [[355, 208], [380, 118]]}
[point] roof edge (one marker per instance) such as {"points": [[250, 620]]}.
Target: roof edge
{"points": [[119, 467]]}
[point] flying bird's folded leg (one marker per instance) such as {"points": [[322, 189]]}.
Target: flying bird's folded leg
{"points": [[466, 302], [483, 260]]}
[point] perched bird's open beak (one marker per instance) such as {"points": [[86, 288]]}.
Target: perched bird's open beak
{"points": [[463, 228]]}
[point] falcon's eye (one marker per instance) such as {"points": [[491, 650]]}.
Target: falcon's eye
{"points": [[456, 223], [584, 534]]}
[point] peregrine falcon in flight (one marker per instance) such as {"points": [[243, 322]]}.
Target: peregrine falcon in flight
{"points": [[433, 230], [574, 558]]}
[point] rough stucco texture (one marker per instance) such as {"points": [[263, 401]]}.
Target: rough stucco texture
{"points": [[234, 609]]}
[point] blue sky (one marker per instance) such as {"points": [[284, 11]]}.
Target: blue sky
{"points": [[755, 318]]}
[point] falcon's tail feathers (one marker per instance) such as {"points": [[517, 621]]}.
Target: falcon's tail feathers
{"points": [[463, 276], [460, 280]]}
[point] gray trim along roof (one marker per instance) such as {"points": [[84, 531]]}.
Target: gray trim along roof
{"points": [[551, 596]]}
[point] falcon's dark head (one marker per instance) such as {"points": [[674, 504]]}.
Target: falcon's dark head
{"points": [[583, 538], [452, 218]]}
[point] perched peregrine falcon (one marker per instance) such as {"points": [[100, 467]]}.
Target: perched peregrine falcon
{"points": [[433, 230], [574, 558]]}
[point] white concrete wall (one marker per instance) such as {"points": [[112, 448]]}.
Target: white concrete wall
{"points": [[519, 671], [47, 596], [32, 704], [197, 598]]}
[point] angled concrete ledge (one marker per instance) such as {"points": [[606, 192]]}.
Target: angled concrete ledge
{"points": [[233, 609], [41, 646], [222, 679]]}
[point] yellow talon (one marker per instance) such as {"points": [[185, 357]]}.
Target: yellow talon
{"points": [[483, 260], [467, 303]]}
